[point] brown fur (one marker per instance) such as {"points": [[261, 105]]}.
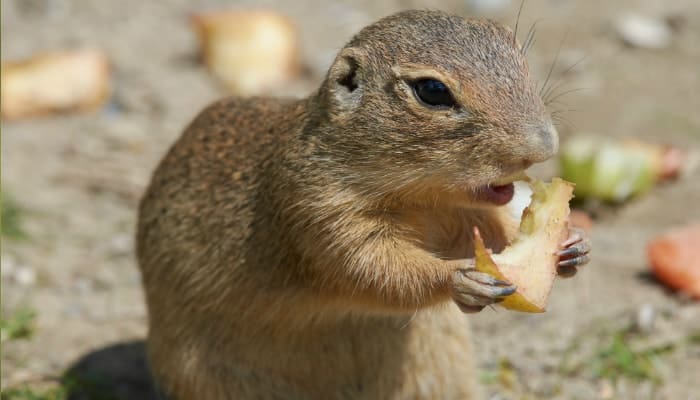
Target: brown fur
{"points": [[306, 249]]}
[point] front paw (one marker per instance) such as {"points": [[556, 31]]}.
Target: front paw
{"points": [[474, 290], [574, 253]]}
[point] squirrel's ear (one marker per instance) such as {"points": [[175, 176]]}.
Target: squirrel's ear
{"points": [[345, 81]]}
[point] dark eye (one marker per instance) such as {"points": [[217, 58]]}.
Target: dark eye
{"points": [[433, 92]]}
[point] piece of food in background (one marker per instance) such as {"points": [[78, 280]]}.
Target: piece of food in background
{"points": [[249, 51], [674, 162], [52, 82], [530, 262], [617, 170], [675, 259]]}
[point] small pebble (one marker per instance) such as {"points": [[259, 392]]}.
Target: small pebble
{"points": [[82, 286], [645, 317], [644, 32], [25, 276], [487, 6], [606, 390], [8, 266], [121, 244]]}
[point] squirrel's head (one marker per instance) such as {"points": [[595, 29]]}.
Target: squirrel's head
{"points": [[423, 100]]}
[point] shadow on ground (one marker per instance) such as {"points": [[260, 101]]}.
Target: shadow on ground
{"points": [[117, 372]]}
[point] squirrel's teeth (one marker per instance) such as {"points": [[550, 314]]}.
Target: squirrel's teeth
{"points": [[519, 176]]}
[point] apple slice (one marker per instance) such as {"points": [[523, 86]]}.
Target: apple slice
{"points": [[251, 52], [615, 170], [58, 81], [530, 262]]}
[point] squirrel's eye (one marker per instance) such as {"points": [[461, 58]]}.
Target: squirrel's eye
{"points": [[433, 92]]}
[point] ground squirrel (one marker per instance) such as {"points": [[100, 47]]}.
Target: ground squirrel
{"points": [[318, 248]]}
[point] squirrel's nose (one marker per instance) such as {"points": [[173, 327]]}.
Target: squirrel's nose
{"points": [[543, 144]]}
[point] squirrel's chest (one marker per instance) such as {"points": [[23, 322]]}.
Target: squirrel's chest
{"points": [[449, 233]]}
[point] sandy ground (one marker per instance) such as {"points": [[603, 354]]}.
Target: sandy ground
{"points": [[77, 180]]}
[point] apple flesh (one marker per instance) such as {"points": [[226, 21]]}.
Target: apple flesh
{"points": [[530, 261]]}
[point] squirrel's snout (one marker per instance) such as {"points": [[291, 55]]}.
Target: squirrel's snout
{"points": [[543, 144]]}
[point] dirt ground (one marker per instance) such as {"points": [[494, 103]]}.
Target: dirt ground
{"points": [[610, 333]]}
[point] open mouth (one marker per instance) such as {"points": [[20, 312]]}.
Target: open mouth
{"points": [[501, 191], [496, 194]]}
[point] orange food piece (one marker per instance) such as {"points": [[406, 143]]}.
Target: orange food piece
{"points": [[675, 259]]}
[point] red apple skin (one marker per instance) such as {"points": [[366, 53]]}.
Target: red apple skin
{"points": [[675, 260]]}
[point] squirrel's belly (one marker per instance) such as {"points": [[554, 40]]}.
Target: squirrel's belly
{"points": [[426, 356]]}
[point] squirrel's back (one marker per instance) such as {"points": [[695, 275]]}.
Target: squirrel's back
{"points": [[200, 203]]}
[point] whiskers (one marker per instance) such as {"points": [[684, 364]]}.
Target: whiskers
{"points": [[544, 87], [552, 90], [548, 92], [530, 38], [553, 96], [517, 22], [560, 120], [549, 96]]}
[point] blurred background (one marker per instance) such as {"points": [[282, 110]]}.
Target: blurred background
{"points": [[94, 92]]}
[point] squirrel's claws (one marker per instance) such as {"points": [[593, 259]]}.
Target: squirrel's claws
{"points": [[487, 279], [574, 262], [574, 253], [473, 290], [575, 250], [576, 235]]}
